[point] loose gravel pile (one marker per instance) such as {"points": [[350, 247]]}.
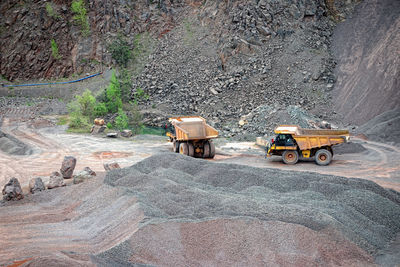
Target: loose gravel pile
{"points": [[172, 187], [383, 128]]}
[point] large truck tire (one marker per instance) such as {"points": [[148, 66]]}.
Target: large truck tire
{"points": [[184, 149], [290, 157], [175, 146], [323, 157], [190, 150], [206, 150], [212, 149]]}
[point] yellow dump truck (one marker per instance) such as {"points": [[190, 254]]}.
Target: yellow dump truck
{"points": [[191, 135], [292, 142]]}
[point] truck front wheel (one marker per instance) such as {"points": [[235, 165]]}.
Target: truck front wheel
{"points": [[323, 157], [290, 157]]}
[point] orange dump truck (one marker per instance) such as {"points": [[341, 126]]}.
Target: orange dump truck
{"points": [[292, 142], [191, 136]]}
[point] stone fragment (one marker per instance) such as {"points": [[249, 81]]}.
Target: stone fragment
{"points": [[36, 185], [112, 135], [12, 190], [97, 129], [68, 166], [56, 180], [84, 175], [111, 166], [126, 133]]}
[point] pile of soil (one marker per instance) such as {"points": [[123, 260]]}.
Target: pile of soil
{"points": [[201, 212]]}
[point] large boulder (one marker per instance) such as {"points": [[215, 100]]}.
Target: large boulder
{"points": [[111, 166], [68, 166], [97, 129], [126, 133], [36, 185], [12, 190], [56, 180], [84, 175]]}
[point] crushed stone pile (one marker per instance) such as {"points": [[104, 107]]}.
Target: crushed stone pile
{"points": [[383, 128], [175, 188], [13, 146]]}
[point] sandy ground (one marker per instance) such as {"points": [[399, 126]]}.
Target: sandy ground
{"points": [[379, 162]]}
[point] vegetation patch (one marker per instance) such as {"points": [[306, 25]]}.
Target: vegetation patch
{"points": [[80, 17], [54, 49], [51, 12]]}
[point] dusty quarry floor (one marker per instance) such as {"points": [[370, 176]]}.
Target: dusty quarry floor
{"points": [[67, 225]]}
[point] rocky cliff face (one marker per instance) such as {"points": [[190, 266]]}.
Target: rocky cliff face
{"points": [[366, 47], [28, 27], [224, 60]]}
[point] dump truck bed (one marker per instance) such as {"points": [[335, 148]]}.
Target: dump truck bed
{"points": [[192, 128], [313, 138]]}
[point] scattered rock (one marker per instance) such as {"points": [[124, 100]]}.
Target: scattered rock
{"points": [[111, 166], [84, 175], [68, 166], [97, 129], [126, 133], [112, 135], [36, 184], [12, 190], [56, 180]]}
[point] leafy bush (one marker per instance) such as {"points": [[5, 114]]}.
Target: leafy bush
{"points": [[125, 84], [113, 95], [80, 17], [121, 121], [121, 51], [86, 102], [78, 121], [54, 49], [50, 11], [135, 119], [100, 109]]}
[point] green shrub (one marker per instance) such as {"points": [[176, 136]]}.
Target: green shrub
{"points": [[121, 121], [54, 49], [125, 85], [135, 119], [51, 12], [100, 109], [78, 121], [121, 51], [86, 103], [113, 95], [109, 125], [80, 17]]}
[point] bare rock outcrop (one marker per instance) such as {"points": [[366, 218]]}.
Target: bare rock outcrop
{"points": [[36, 185], [68, 166], [56, 180], [12, 190]]}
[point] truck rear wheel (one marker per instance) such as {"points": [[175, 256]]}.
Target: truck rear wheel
{"points": [[290, 157], [190, 149], [206, 150], [184, 149], [175, 146], [323, 157], [212, 149]]}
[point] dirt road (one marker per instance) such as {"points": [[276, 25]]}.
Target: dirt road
{"points": [[49, 143]]}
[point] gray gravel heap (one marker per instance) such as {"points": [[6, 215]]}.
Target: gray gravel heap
{"points": [[175, 187]]}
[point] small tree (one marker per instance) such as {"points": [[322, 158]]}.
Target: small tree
{"points": [[80, 17], [86, 102], [113, 95], [121, 121], [121, 51]]}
